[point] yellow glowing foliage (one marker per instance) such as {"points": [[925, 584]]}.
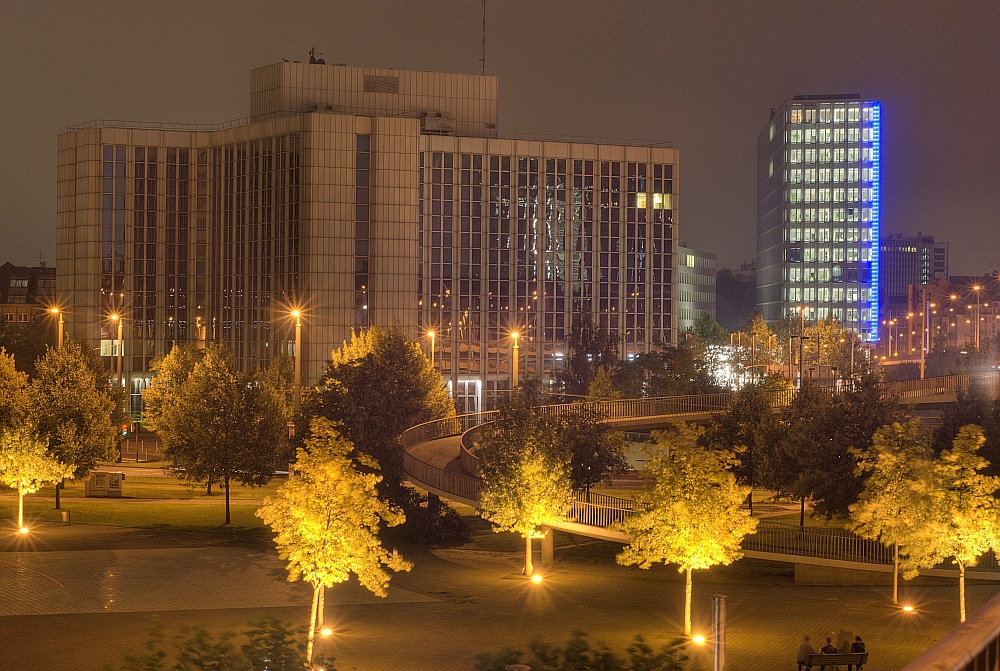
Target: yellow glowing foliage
{"points": [[326, 518], [526, 485], [25, 463], [690, 511]]}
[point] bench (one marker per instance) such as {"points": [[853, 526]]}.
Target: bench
{"points": [[851, 659]]}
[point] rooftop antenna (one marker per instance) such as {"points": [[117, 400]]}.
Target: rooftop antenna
{"points": [[483, 59]]}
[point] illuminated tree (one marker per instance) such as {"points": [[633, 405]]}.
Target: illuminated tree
{"points": [[893, 506], [964, 520], [25, 465], [689, 513], [326, 519], [524, 464]]}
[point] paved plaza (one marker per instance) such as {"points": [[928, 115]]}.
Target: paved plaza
{"points": [[82, 597]]}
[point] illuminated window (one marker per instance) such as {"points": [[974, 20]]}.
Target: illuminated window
{"points": [[810, 195], [825, 155], [838, 214], [796, 115], [810, 135], [796, 136], [809, 235], [810, 115], [809, 254], [810, 174], [795, 215], [824, 175], [839, 134], [824, 214], [810, 155], [662, 201], [838, 114], [795, 235], [824, 195], [795, 156], [640, 200], [824, 115], [838, 195], [852, 254], [853, 154], [838, 236], [852, 174], [839, 255], [853, 113], [795, 176], [823, 256], [838, 174], [824, 234], [795, 274], [809, 215], [825, 134], [852, 235], [853, 134], [794, 195]]}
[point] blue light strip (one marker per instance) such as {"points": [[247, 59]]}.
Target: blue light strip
{"points": [[876, 237]]}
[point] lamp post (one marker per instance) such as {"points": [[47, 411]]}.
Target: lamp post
{"points": [[802, 337], [432, 335], [926, 335], [515, 353], [57, 311], [118, 319], [298, 361], [977, 289]]}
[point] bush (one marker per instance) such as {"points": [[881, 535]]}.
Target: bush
{"points": [[579, 655]]}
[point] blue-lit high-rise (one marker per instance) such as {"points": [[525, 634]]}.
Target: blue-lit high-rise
{"points": [[818, 172]]}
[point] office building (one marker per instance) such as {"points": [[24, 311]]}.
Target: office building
{"points": [[909, 260], [696, 277], [818, 165], [364, 196]]}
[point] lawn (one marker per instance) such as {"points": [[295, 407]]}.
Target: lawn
{"points": [[148, 501]]}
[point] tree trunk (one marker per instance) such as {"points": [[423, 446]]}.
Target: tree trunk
{"points": [[225, 482], [321, 609], [528, 566], [208, 488], [312, 625], [59, 485], [20, 509], [750, 500], [802, 514], [687, 603], [961, 592], [895, 574]]}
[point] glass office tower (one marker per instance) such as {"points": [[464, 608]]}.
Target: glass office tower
{"points": [[818, 165]]}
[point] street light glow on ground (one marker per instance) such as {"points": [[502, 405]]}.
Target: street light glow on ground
{"points": [[698, 639], [537, 578]]}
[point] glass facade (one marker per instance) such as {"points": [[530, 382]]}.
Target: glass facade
{"points": [[819, 162], [365, 213]]}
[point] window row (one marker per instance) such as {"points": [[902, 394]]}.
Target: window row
{"points": [[831, 155]]}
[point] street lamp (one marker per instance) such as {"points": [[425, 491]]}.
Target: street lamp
{"points": [[977, 289], [432, 335], [513, 363], [118, 319], [298, 361], [57, 311]]}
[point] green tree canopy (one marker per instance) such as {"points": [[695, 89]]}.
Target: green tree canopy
{"points": [[13, 404], [378, 385], [219, 424], [326, 518], [709, 331], [75, 407], [893, 506], [690, 508], [590, 349]]}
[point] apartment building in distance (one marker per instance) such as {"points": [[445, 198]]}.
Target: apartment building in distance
{"points": [[818, 193], [364, 196]]}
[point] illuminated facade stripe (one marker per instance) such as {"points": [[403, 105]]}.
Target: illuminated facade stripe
{"points": [[876, 114]]}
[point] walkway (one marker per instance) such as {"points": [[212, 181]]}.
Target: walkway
{"points": [[455, 604]]}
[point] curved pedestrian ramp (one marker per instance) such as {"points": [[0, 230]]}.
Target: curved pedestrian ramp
{"points": [[438, 456]]}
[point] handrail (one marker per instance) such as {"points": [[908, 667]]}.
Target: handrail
{"points": [[603, 510], [971, 646]]}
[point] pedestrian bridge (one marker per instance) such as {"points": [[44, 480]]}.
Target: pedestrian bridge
{"points": [[439, 456]]}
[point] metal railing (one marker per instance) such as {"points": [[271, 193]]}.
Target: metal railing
{"points": [[971, 646]]}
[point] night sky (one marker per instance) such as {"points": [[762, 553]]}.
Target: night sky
{"points": [[701, 74]]}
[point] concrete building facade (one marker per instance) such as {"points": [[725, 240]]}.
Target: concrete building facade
{"points": [[364, 196]]}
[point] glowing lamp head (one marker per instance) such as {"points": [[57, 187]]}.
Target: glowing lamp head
{"points": [[326, 631], [537, 578], [698, 639], [115, 317], [907, 608], [23, 530], [296, 313], [54, 311]]}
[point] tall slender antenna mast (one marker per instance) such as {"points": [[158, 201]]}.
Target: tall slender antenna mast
{"points": [[483, 59]]}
